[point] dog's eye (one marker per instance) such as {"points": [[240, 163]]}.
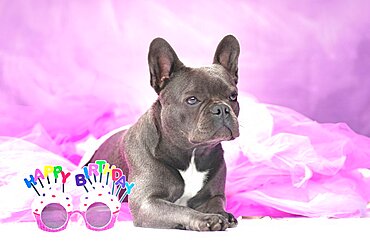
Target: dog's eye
{"points": [[233, 96], [192, 100]]}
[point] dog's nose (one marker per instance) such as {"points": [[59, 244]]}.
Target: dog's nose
{"points": [[220, 110]]}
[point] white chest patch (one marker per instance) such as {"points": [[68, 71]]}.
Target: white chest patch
{"points": [[194, 181]]}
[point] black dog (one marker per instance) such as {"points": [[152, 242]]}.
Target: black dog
{"points": [[174, 153]]}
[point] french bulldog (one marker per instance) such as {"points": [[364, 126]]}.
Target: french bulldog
{"points": [[173, 153]]}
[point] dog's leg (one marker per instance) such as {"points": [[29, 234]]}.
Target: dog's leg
{"points": [[215, 205], [211, 199], [159, 213]]}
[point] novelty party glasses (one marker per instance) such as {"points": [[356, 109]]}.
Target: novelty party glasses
{"points": [[54, 217], [99, 206], [53, 209]]}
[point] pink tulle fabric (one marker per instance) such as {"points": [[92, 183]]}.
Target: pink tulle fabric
{"points": [[286, 164], [283, 164]]}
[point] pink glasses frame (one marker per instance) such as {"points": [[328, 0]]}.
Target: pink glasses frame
{"points": [[43, 227]]}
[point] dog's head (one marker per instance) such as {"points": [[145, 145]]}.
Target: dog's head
{"points": [[198, 105]]}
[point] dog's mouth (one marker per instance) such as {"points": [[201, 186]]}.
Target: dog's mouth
{"points": [[223, 133]]}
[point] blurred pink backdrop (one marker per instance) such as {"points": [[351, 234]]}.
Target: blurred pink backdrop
{"points": [[66, 66]]}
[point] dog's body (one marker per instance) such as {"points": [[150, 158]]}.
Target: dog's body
{"points": [[174, 153]]}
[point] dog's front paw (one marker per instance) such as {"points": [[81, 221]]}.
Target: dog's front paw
{"points": [[210, 222], [230, 219]]}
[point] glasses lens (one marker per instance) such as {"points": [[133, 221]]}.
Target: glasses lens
{"points": [[98, 215], [54, 216]]}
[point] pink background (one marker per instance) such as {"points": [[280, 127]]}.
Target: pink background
{"points": [[70, 69]]}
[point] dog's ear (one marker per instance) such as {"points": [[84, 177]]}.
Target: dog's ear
{"points": [[163, 62], [227, 54]]}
